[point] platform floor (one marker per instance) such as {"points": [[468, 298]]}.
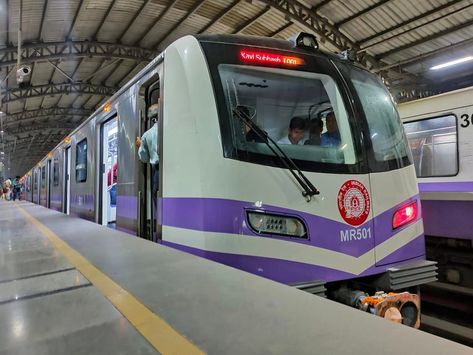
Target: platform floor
{"points": [[69, 286]]}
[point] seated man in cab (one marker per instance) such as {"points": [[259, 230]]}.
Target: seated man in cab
{"points": [[296, 131], [331, 138]]}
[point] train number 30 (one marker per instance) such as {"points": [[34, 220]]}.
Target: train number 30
{"points": [[466, 120]]}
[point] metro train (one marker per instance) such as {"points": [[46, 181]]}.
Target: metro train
{"points": [[440, 133], [311, 215]]}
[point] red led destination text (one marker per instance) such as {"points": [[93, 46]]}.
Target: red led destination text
{"points": [[269, 58]]}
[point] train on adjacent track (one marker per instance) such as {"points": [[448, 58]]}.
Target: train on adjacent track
{"points": [[440, 133], [339, 215]]}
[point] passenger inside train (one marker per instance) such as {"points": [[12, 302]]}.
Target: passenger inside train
{"points": [[316, 127], [283, 106]]}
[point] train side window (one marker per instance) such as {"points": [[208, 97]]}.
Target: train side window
{"points": [[56, 172], [81, 161], [433, 142]]}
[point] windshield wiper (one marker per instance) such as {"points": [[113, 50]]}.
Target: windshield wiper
{"points": [[308, 188]]}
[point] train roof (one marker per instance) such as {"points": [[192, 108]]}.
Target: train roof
{"points": [[267, 42]]}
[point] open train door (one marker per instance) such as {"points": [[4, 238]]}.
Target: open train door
{"points": [[149, 192], [108, 171], [67, 180], [48, 184]]}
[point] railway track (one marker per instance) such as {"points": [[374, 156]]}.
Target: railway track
{"points": [[447, 311]]}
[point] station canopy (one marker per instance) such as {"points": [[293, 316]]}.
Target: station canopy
{"points": [[79, 52]]}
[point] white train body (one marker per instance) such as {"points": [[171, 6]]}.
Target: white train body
{"points": [[234, 201]]}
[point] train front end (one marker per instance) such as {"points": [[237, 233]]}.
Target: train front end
{"points": [[301, 168]]}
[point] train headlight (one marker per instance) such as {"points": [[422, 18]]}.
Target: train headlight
{"points": [[405, 215], [269, 223]]}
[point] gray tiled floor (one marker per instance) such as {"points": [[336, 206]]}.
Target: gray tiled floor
{"points": [[48, 307], [220, 309]]}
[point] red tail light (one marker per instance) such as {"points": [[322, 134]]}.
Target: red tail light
{"points": [[405, 214]]}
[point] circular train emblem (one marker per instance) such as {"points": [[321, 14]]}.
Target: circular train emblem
{"points": [[353, 202]]}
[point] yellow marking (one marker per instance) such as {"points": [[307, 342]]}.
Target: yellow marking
{"points": [[156, 330]]}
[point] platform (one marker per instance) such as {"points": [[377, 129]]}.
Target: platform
{"points": [[71, 286]]}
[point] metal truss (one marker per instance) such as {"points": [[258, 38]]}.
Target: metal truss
{"points": [[63, 112], [43, 52], [57, 89], [44, 127], [40, 139], [305, 15]]}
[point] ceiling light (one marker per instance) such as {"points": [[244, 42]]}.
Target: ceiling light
{"points": [[453, 62]]}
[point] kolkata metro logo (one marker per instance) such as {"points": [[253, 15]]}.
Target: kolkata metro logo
{"points": [[354, 202]]}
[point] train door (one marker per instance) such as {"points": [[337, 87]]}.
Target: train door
{"points": [[108, 169], [67, 180], [150, 192], [42, 188], [48, 185], [35, 193]]}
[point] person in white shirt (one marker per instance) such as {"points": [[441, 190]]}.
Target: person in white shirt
{"points": [[296, 132], [148, 148]]}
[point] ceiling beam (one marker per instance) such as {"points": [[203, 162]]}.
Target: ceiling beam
{"points": [[163, 13], [74, 21], [220, 15], [320, 5], [132, 21], [104, 19], [280, 29], [189, 13], [57, 89], [363, 41], [252, 20], [360, 13], [43, 17], [43, 52], [466, 44], [424, 40], [39, 139], [46, 112], [43, 127], [306, 16]]}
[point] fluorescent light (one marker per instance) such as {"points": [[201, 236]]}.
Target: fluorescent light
{"points": [[453, 62]]}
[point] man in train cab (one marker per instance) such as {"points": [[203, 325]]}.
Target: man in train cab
{"points": [[148, 148], [315, 130], [331, 138], [296, 132]]}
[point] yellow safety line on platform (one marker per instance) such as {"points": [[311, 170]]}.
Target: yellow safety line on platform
{"points": [[156, 330]]}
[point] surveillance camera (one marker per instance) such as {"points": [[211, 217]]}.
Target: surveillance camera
{"points": [[25, 69], [22, 73]]}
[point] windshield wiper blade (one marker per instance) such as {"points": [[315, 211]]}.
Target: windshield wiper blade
{"points": [[308, 188]]}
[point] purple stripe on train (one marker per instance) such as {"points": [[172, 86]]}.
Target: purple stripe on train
{"points": [[461, 186], [228, 216], [290, 272], [127, 206], [449, 219]]}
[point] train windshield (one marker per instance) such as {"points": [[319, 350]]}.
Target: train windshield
{"points": [[388, 140], [302, 111]]}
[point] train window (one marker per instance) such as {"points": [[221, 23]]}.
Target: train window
{"points": [[35, 178], [81, 161], [56, 172], [385, 127], [433, 143], [303, 112], [43, 177]]}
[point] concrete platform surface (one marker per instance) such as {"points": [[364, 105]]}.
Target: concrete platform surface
{"points": [[47, 306]]}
